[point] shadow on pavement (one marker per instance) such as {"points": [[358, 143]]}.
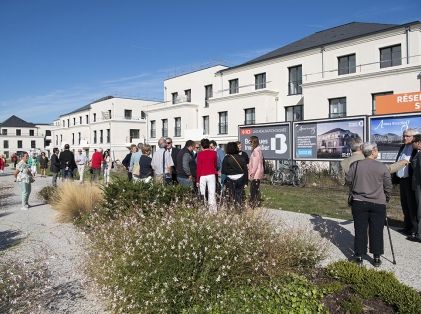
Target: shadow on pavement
{"points": [[9, 238], [2, 214], [335, 233]]}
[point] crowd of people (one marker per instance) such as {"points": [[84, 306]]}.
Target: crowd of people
{"points": [[203, 167], [370, 183]]}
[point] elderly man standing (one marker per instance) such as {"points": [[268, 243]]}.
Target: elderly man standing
{"points": [[184, 157], [162, 163], [404, 178], [371, 185], [357, 154], [81, 160]]}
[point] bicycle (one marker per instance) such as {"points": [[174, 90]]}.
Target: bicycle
{"points": [[291, 175]]}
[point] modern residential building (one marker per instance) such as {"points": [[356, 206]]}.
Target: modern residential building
{"points": [[17, 136], [108, 123]]}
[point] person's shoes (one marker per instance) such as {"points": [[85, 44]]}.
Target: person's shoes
{"points": [[26, 207], [414, 238], [358, 260], [377, 262]]}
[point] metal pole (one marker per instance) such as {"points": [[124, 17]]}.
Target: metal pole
{"points": [[390, 240]]}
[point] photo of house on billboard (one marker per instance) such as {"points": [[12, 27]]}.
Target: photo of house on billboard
{"points": [[326, 139], [387, 131]]}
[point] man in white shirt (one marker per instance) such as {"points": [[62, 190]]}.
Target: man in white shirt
{"points": [[162, 163], [80, 160]]}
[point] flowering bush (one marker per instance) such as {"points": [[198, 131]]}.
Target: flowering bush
{"points": [[188, 258]]}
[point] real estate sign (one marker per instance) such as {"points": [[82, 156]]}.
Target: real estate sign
{"points": [[387, 132], [275, 139], [327, 139]]}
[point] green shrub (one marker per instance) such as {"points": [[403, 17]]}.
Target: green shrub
{"points": [[47, 193], [353, 305], [173, 262], [370, 283], [290, 294], [122, 196]]}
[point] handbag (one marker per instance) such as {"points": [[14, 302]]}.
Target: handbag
{"points": [[136, 170], [350, 195]]}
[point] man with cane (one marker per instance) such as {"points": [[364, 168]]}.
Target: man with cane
{"points": [[370, 188]]}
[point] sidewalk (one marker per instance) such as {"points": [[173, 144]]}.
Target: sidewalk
{"points": [[340, 236], [34, 233]]}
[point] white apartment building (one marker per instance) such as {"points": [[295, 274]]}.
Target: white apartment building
{"points": [[108, 123], [333, 73], [18, 136]]}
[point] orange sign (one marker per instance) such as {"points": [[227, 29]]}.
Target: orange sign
{"points": [[398, 103]]}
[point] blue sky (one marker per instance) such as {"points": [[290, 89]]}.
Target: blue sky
{"points": [[58, 55]]}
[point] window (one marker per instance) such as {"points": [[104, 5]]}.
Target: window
{"points": [[294, 113], [4, 132], [260, 81], [5, 144], [64, 123], [18, 132], [128, 114], [205, 125], [74, 121], [94, 137], [250, 117], [134, 133], [153, 128], [101, 136], [164, 127], [177, 126], [223, 122], [87, 119], [208, 94], [73, 138], [31, 132], [109, 114], [79, 135], [19, 144], [61, 138], [174, 97], [47, 132], [187, 93], [56, 139], [142, 115], [68, 122], [295, 80], [108, 135], [346, 64], [390, 56], [337, 107], [373, 99], [233, 86], [80, 120], [33, 144], [94, 117]]}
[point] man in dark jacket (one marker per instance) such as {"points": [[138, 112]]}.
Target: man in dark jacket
{"points": [[174, 152], [416, 186], [55, 165], [67, 162], [184, 156], [404, 178], [126, 162]]}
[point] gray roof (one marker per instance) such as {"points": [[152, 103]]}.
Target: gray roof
{"points": [[88, 106], [329, 36], [16, 122]]}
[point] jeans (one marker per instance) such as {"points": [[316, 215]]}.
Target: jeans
{"points": [[235, 188], [210, 182], [372, 216], [254, 193], [26, 191], [55, 175], [185, 182], [95, 174], [67, 174], [408, 204]]}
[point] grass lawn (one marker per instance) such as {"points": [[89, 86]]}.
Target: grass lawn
{"points": [[329, 202]]}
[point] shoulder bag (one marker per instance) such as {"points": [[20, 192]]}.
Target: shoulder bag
{"points": [[350, 195]]}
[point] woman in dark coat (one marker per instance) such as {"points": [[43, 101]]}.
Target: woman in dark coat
{"points": [[43, 164]]}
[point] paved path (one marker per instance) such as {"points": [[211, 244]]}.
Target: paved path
{"points": [[34, 234], [340, 236]]}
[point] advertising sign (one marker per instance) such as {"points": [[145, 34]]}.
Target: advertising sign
{"points": [[326, 139], [398, 103], [275, 139], [387, 131]]}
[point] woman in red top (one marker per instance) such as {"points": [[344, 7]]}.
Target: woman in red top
{"points": [[206, 171], [2, 163]]}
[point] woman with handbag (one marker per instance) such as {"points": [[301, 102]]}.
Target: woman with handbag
{"points": [[24, 176], [234, 168], [370, 188]]}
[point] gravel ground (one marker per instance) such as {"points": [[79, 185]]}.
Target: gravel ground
{"points": [[34, 234]]}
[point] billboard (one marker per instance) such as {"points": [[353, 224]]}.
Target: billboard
{"points": [[398, 103], [326, 139], [387, 131], [274, 138]]}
